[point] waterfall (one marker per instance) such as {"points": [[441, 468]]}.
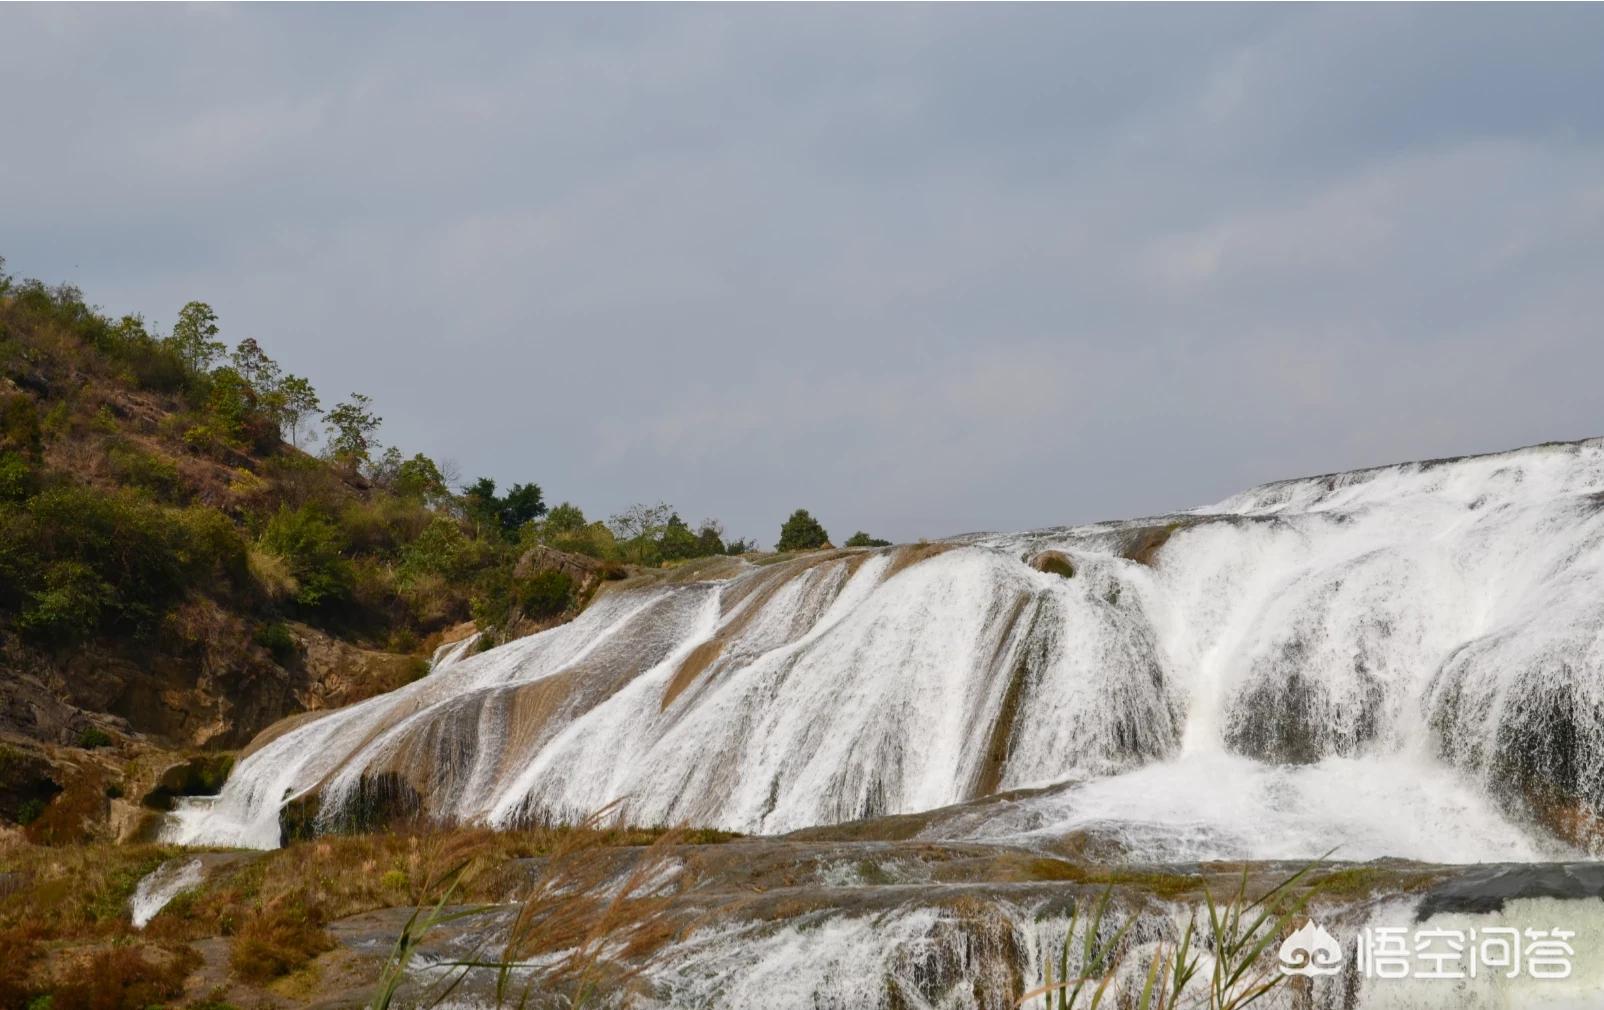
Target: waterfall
{"points": [[161, 886], [1403, 661]]}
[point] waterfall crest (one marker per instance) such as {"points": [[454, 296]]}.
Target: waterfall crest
{"points": [[1439, 625]]}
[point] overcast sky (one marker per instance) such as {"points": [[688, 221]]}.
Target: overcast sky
{"points": [[923, 270]]}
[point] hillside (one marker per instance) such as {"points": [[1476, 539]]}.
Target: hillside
{"points": [[178, 570]]}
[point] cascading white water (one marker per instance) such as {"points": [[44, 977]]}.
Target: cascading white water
{"points": [[161, 886], [985, 955], [1388, 661]]}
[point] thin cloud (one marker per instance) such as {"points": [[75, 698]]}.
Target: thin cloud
{"points": [[920, 269]]}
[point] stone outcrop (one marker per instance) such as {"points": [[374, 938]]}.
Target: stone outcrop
{"points": [[587, 572]]}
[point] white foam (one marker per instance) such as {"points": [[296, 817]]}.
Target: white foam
{"points": [[162, 885], [1345, 660]]}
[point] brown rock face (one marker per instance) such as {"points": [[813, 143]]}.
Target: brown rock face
{"points": [[335, 673], [1054, 563], [586, 572], [217, 691]]}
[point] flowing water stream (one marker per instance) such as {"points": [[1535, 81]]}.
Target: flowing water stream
{"points": [[1406, 661]]}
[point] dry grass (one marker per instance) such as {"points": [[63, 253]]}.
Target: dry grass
{"points": [[72, 891], [66, 904], [596, 923], [277, 939], [71, 815], [22, 952], [271, 573], [275, 904], [126, 977], [587, 926]]}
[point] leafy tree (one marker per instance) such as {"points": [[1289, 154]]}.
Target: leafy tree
{"points": [[565, 529], [295, 401], [564, 520], [130, 329], [677, 542], [480, 503], [194, 337], [638, 529], [354, 425], [710, 538], [231, 405], [802, 532], [522, 504], [740, 546], [640, 520], [420, 478], [255, 367], [862, 539], [388, 467]]}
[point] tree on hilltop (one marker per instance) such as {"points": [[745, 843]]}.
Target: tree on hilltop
{"points": [[802, 532], [194, 337], [354, 425], [862, 539]]}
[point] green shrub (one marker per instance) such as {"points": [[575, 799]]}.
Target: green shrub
{"points": [[492, 600], [311, 545], [158, 368], [146, 361], [522, 504], [18, 479], [29, 811], [710, 541], [19, 426], [210, 547], [90, 560], [441, 549], [594, 540], [69, 606], [94, 737], [76, 561], [545, 594], [208, 439], [402, 640], [154, 474], [278, 642], [862, 539]]}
